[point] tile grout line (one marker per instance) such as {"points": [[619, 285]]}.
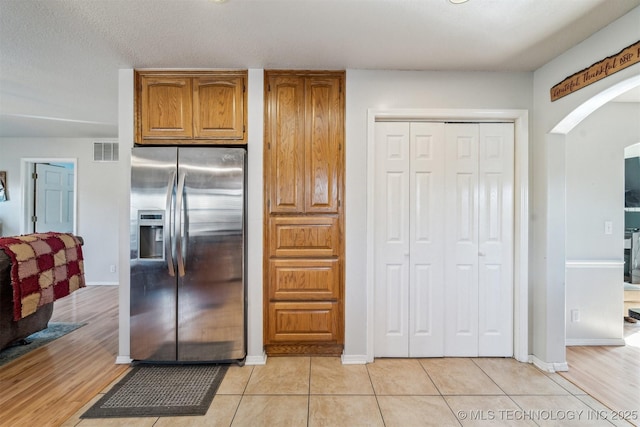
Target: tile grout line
{"points": [[244, 389], [375, 394], [309, 393], [424, 368]]}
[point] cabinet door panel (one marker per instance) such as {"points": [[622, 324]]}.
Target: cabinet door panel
{"points": [[285, 166], [304, 237], [323, 142], [166, 107], [303, 322], [306, 279], [218, 107]]}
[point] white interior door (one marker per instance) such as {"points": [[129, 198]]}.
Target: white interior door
{"points": [[54, 198], [461, 247], [426, 239], [392, 239], [496, 239], [443, 239]]}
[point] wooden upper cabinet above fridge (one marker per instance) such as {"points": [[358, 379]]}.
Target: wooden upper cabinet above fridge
{"points": [[218, 107], [165, 107], [190, 107]]}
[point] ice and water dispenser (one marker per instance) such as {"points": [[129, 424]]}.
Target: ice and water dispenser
{"points": [[151, 235]]}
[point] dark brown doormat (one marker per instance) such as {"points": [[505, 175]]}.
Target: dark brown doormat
{"points": [[160, 391]]}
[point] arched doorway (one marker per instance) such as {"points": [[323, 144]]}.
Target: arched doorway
{"points": [[581, 266]]}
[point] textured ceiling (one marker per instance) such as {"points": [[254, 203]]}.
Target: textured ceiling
{"points": [[60, 58]]}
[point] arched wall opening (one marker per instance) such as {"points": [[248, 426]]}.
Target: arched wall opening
{"points": [[593, 140]]}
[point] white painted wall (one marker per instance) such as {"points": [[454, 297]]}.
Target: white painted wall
{"points": [[548, 154], [99, 189], [595, 181], [595, 194], [411, 90]]}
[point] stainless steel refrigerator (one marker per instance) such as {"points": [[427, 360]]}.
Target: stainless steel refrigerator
{"points": [[188, 294]]}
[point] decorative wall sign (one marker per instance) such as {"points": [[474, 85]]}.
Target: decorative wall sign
{"points": [[626, 57]]}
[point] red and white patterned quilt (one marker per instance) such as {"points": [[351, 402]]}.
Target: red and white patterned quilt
{"points": [[44, 267]]}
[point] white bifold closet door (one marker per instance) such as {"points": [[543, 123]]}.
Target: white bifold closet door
{"points": [[443, 239]]}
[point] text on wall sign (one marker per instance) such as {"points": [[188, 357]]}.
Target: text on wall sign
{"points": [[626, 57]]}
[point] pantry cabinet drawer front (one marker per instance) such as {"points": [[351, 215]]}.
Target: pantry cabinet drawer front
{"points": [[304, 236], [303, 322], [295, 279]]}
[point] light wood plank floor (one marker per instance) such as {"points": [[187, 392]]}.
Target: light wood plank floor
{"points": [[610, 374], [48, 385], [51, 384]]}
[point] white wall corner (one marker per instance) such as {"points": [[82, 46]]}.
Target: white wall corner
{"points": [[123, 360], [354, 359], [550, 367], [256, 360], [125, 138]]}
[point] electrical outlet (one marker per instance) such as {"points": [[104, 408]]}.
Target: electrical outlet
{"points": [[575, 315], [112, 268], [608, 227]]}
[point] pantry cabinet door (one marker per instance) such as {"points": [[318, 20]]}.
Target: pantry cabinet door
{"points": [[284, 165], [323, 144]]}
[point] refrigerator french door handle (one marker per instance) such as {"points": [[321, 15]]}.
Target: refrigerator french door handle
{"points": [[167, 225], [179, 236]]}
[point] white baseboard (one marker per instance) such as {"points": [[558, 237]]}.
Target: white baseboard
{"points": [[596, 341], [549, 366], [256, 360], [354, 359], [123, 360], [102, 283]]}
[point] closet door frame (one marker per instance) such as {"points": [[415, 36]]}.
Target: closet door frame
{"points": [[520, 118]]}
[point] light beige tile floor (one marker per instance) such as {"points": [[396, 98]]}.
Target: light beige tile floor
{"points": [[321, 391]]}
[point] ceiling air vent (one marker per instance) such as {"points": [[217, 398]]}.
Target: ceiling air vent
{"points": [[105, 151]]}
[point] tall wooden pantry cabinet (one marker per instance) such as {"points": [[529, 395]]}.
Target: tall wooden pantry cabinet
{"points": [[304, 212]]}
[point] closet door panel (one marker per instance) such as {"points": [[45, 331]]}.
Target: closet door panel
{"points": [[461, 249], [443, 240], [392, 244], [495, 279], [426, 240]]}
